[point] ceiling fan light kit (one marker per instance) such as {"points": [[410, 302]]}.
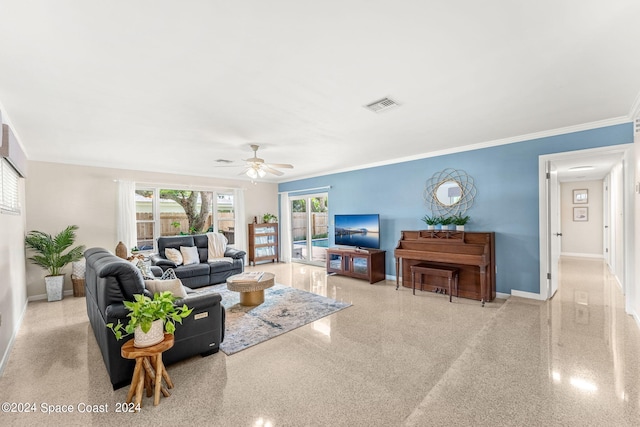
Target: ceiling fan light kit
{"points": [[257, 168]]}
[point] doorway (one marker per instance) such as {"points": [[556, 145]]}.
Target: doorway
{"points": [[309, 228], [551, 170]]}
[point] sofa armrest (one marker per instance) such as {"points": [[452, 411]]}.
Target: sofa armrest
{"points": [[117, 311], [234, 253], [162, 262], [198, 300]]}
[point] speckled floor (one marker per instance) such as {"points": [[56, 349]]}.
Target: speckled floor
{"points": [[392, 359]]}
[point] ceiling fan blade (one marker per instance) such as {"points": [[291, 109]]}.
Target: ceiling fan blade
{"points": [[280, 165], [266, 168], [244, 171]]}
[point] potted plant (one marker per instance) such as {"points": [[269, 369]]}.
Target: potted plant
{"points": [[460, 221], [431, 221], [49, 255], [269, 218], [446, 222], [150, 318]]}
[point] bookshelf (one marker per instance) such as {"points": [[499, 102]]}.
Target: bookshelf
{"points": [[263, 243]]}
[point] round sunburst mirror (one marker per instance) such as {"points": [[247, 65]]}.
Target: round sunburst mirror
{"points": [[449, 192]]}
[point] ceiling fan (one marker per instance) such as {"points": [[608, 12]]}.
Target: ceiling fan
{"points": [[257, 168]]}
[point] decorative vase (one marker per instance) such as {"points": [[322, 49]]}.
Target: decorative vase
{"points": [[438, 226], [54, 285], [154, 336], [121, 250]]}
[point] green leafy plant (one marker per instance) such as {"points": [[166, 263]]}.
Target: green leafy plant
{"points": [[49, 249], [446, 220], [269, 217], [430, 220], [144, 310], [460, 220]]}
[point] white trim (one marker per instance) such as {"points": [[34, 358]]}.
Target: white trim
{"points": [[326, 187], [579, 255], [5, 356], [41, 297], [634, 111], [504, 141], [529, 295], [502, 296]]}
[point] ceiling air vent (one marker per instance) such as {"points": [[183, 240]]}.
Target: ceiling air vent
{"points": [[381, 105]]}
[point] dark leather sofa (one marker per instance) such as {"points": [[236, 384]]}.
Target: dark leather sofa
{"points": [[110, 280], [202, 274]]}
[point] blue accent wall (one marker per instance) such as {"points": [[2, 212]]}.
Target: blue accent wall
{"points": [[506, 178]]}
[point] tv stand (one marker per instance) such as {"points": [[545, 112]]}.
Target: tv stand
{"points": [[359, 263]]}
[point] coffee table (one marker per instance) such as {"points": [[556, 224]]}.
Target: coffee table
{"points": [[251, 291]]}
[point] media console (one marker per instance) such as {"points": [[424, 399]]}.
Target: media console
{"points": [[365, 264]]}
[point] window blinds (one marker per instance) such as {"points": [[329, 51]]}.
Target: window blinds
{"points": [[9, 200]]}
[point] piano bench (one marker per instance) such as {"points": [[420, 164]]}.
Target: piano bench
{"points": [[451, 273]]}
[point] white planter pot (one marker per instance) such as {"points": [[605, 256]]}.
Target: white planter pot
{"points": [[154, 336], [54, 285], [460, 227], [431, 227]]}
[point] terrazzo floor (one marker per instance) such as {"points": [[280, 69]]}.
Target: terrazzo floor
{"points": [[392, 359]]}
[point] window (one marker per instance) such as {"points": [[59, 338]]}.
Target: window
{"points": [[171, 212], [9, 200], [226, 216]]}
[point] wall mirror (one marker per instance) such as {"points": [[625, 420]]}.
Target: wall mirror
{"points": [[449, 192]]}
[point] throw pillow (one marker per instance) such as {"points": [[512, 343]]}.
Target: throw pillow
{"points": [[173, 255], [189, 255], [174, 286], [168, 274]]}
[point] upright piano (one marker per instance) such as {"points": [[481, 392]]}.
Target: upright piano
{"points": [[473, 253]]}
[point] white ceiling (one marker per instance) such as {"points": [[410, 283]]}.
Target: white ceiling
{"points": [[173, 86]]}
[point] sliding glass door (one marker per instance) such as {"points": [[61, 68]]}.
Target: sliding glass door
{"points": [[309, 228]]}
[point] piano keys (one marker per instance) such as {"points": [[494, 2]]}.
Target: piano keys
{"points": [[471, 252]]}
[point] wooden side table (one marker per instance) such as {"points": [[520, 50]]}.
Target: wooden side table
{"points": [[149, 370]]}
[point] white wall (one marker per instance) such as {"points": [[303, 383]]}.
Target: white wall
{"points": [[59, 195], [13, 293], [582, 238]]}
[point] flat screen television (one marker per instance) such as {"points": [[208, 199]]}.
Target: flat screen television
{"points": [[361, 231]]}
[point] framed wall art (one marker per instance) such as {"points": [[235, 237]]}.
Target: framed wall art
{"points": [[580, 196], [581, 214]]}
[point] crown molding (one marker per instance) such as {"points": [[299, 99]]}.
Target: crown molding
{"points": [[504, 141], [634, 112]]}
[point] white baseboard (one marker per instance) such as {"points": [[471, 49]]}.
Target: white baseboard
{"points": [[580, 255], [502, 296], [523, 294], [44, 296], [636, 318], [5, 356]]}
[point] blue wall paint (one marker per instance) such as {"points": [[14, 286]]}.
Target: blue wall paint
{"points": [[505, 176]]}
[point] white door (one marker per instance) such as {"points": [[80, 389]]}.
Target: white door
{"points": [[553, 221], [606, 219]]}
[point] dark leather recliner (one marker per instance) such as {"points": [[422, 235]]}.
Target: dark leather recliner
{"points": [[110, 280], [202, 274]]}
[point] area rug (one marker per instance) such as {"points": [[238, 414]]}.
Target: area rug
{"points": [[284, 309]]}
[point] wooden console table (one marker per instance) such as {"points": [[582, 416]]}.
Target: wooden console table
{"points": [[365, 264]]}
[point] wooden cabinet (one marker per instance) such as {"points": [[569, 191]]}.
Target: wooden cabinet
{"points": [[263, 242], [359, 263]]}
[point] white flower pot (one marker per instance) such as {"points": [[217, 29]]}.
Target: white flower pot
{"points": [[154, 336], [54, 285], [460, 227], [431, 227]]}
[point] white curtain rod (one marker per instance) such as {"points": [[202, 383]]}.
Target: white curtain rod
{"points": [[181, 186], [305, 189]]}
